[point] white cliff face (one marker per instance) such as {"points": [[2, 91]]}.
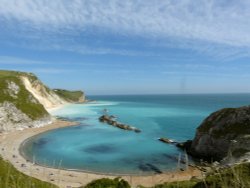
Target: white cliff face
{"points": [[13, 89], [12, 119], [82, 99], [47, 98]]}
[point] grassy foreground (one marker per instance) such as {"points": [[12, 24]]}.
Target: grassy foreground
{"points": [[11, 178], [236, 177]]}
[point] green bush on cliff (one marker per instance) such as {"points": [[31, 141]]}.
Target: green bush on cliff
{"points": [[23, 100], [11, 178]]}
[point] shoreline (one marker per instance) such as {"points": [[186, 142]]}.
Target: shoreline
{"points": [[54, 108], [9, 150]]}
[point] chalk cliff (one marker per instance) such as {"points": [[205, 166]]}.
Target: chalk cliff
{"points": [[25, 100]]}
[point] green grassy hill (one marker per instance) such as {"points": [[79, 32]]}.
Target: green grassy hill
{"points": [[11, 178], [70, 96]]}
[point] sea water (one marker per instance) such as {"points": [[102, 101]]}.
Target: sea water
{"points": [[101, 148]]}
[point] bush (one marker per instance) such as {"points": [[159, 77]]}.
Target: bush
{"points": [[108, 183]]}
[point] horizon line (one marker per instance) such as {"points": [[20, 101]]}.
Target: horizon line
{"points": [[229, 93]]}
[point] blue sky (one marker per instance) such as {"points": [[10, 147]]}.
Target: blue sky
{"points": [[131, 46]]}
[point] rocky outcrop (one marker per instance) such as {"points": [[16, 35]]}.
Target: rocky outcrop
{"points": [[223, 136], [167, 141], [12, 89], [12, 118], [111, 121]]}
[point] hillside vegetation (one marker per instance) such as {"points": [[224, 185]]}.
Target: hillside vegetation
{"points": [[70, 96], [13, 90], [11, 178]]}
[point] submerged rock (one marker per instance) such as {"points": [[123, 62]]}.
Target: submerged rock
{"points": [[166, 140]]}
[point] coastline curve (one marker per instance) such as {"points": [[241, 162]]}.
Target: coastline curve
{"points": [[71, 177]]}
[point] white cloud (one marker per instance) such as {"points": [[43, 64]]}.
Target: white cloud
{"points": [[52, 70], [223, 22], [8, 60]]}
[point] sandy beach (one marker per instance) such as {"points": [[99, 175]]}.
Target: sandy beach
{"points": [[9, 150]]}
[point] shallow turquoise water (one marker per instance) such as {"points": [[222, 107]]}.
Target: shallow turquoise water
{"points": [[93, 146]]}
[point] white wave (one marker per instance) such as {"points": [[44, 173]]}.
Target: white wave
{"points": [[81, 109]]}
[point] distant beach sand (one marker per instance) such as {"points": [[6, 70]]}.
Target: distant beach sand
{"points": [[9, 150]]}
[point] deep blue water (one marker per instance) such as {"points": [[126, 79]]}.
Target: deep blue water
{"points": [[98, 147]]}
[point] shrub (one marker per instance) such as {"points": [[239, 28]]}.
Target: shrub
{"points": [[108, 183]]}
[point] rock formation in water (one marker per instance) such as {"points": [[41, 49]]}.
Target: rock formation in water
{"points": [[223, 136], [168, 141], [110, 120], [25, 99]]}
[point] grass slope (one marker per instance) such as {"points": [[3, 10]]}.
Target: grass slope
{"points": [[71, 96], [11, 178], [22, 101]]}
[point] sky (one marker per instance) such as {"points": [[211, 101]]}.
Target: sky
{"points": [[131, 46]]}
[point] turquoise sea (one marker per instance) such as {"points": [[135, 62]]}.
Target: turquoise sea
{"points": [[96, 147]]}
